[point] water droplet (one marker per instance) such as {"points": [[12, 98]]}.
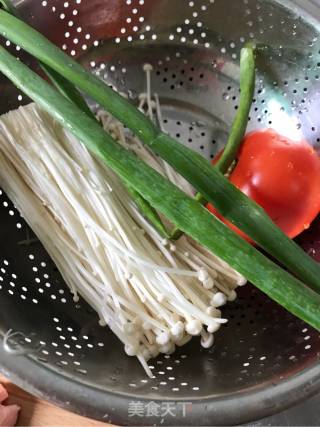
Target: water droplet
{"points": [[225, 96]]}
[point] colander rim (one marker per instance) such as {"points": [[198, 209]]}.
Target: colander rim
{"points": [[236, 408]]}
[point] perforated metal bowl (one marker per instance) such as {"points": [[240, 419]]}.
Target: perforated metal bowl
{"points": [[264, 360]]}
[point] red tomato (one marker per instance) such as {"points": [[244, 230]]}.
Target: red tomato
{"points": [[282, 176]]}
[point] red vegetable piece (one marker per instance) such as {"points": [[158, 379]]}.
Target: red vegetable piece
{"points": [[282, 176]]}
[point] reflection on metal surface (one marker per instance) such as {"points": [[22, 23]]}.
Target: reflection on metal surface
{"points": [[18, 344]]}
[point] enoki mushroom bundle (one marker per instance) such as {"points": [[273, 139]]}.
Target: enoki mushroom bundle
{"points": [[153, 294]]}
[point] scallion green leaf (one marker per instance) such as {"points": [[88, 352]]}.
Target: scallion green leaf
{"points": [[239, 126]]}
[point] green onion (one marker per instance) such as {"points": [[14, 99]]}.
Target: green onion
{"points": [[68, 90], [181, 209], [239, 126], [148, 211], [229, 201]]}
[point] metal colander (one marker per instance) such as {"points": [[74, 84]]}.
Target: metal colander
{"points": [[264, 360]]}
